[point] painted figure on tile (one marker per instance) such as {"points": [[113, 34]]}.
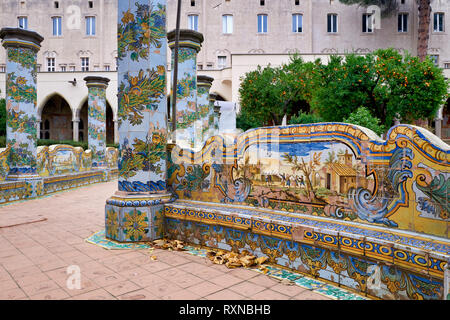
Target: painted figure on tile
{"points": [[331, 170]]}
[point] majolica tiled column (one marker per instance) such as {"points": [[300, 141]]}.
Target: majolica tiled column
{"points": [[97, 119], [204, 84], [21, 132], [135, 211], [189, 45], [216, 120]]}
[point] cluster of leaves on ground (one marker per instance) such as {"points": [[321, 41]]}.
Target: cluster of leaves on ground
{"points": [[235, 260]]}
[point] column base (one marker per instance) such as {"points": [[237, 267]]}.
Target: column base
{"points": [[135, 217]]}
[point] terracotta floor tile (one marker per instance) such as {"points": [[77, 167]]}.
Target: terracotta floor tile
{"points": [[171, 273], [310, 295], [269, 294], [122, 266], [149, 280], [87, 285], [289, 290], [8, 284], [23, 272], [173, 260], [204, 288], [138, 295], [16, 262], [225, 294], [49, 265], [225, 280], [163, 288], [134, 274], [243, 273], [12, 294], [122, 288], [109, 279], [187, 280], [57, 294], [181, 295], [247, 289], [40, 287], [264, 280], [156, 266], [32, 279], [99, 294]]}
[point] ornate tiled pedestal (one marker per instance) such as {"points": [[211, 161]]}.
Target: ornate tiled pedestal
{"points": [[204, 84], [22, 47], [132, 213], [189, 45], [97, 120]]}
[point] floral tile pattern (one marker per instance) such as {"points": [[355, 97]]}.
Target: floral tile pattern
{"points": [[21, 109], [142, 105], [97, 124]]}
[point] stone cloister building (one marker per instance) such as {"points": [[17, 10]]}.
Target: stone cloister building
{"points": [[80, 40]]}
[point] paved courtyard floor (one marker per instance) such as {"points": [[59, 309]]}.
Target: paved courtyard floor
{"points": [[41, 238]]}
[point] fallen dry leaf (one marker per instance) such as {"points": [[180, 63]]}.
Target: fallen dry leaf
{"points": [[154, 258], [261, 260]]}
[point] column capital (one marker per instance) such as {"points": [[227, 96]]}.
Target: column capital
{"points": [[188, 39], [213, 97], [204, 81], [92, 81], [16, 37]]}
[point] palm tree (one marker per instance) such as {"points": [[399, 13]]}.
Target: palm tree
{"points": [[388, 7]]}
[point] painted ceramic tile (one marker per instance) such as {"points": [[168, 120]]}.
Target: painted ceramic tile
{"points": [[142, 95], [186, 89], [331, 170], [97, 125], [203, 108], [21, 109]]}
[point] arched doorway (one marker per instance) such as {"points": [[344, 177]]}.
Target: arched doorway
{"points": [[56, 119], [83, 125]]}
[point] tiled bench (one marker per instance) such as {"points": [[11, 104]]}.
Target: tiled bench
{"points": [[374, 261], [74, 180]]}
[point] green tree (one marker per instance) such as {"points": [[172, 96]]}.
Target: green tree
{"points": [[268, 94], [304, 118], [385, 82], [388, 7], [362, 117]]}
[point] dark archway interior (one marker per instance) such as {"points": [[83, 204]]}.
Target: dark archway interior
{"points": [[83, 126], [56, 119]]}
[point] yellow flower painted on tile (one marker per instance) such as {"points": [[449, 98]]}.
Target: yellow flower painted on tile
{"points": [[161, 70], [112, 225], [21, 80], [135, 225], [127, 17]]}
